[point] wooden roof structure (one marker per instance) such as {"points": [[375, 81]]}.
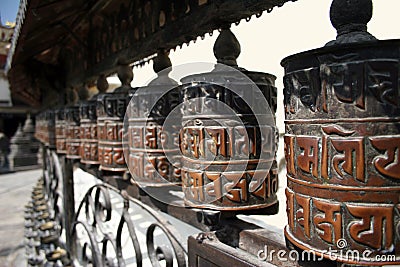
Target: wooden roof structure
{"points": [[65, 43]]}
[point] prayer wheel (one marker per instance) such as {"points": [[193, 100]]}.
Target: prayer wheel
{"points": [[154, 158], [342, 143], [228, 155], [50, 130], [88, 133], [111, 109], [73, 132], [60, 131]]}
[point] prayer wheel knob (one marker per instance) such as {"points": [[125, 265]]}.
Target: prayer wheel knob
{"points": [[350, 19], [102, 84], [227, 48], [125, 74]]}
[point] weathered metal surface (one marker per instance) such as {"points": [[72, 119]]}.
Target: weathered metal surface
{"points": [[73, 132], [154, 157], [45, 128], [224, 171], [50, 129], [111, 108], [341, 145], [60, 131], [207, 250], [88, 133]]}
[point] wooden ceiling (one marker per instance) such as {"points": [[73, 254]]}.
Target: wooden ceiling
{"points": [[65, 43]]}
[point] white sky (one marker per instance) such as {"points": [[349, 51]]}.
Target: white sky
{"points": [[292, 28]]}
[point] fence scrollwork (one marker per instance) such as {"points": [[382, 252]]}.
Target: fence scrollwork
{"points": [[103, 228]]}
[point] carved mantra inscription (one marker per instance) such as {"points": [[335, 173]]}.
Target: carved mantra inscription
{"points": [[227, 142], [212, 149], [152, 137], [342, 149], [89, 143], [60, 137], [364, 225], [147, 160], [320, 91], [110, 150], [241, 188], [331, 156], [73, 141], [226, 156]]}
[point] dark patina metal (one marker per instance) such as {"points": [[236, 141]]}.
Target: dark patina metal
{"points": [[205, 182], [342, 143], [45, 128], [88, 132], [60, 131], [73, 132], [88, 121], [149, 141], [50, 129], [111, 108]]}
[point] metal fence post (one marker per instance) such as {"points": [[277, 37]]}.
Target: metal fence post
{"points": [[69, 201]]}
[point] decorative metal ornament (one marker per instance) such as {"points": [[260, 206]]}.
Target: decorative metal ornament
{"points": [[342, 142], [221, 164]]}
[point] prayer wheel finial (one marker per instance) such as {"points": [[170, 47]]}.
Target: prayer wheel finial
{"points": [[227, 48], [350, 19]]}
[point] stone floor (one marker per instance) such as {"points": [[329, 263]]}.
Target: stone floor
{"points": [[15, 191]]}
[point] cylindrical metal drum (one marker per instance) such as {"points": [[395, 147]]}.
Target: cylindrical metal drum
{"points": [[73, 141], [60, 131], [39, 127], [153, 148], [228, 157], [342, 148], [89, 139], [111, 108], [49, 129]]}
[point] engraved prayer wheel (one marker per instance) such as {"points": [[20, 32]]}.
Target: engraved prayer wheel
{"points": [[111, 109], [152, 146], [88, 118], [49, 129], [221, 140], [60, 131], [88, 132], [342, 144], [72, 140]]}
